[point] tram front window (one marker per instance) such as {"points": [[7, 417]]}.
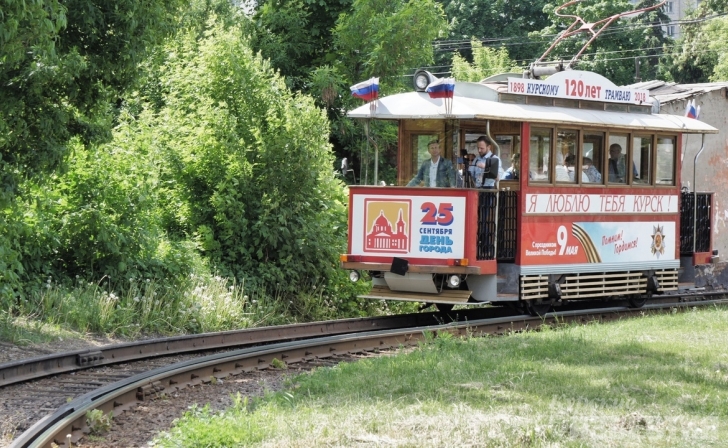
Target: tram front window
{"points": [[538, 159], [641, 158], [566, 163], [419, 150]]}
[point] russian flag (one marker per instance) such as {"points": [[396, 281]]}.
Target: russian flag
{"points": [[690, 110], [441, 88], [366, 90]]}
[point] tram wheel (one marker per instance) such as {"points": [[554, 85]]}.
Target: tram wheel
{"points": [[537, 309], [444, 307], [519, 307], [637, 302]]}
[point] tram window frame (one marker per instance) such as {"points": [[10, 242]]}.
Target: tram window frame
{"points": [[650, 162], [421, 141], [656, 143], [562, 157], [506, 161], [627, 156], [629, 151], [548, 152], [601, 134]]}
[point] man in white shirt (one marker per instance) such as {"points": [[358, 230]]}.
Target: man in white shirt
{"points": [[436, 172]]}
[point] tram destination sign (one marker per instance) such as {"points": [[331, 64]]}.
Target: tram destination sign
{"points": [[578, 85]]}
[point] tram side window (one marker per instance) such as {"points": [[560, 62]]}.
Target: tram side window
{"points": [[665, 173], [566, 144], [593, 158], [538, 159], [509, 145], [616, 165], [641, 157]]}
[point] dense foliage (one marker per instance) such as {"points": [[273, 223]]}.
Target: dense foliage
{"points": [[63, 67], [502, 22], [363, 39], [248, 164], [486, 62], [702, 45]]}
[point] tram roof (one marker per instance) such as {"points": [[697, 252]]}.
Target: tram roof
{"points": [[418, 105]]}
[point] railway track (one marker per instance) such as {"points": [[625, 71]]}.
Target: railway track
{"points": [[114, 391]]}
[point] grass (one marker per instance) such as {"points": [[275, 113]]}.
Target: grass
{"points": [[198, 304], [658, 381], [25, 331]]}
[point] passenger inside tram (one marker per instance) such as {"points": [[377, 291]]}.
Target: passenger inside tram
{"points": [[566, 156], [512, 172], [617, 172], [570, 166], [592, 174]]}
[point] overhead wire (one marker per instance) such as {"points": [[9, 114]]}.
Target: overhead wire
{"points": [[463, 44], [443, 68]]}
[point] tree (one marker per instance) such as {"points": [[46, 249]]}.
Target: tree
{"points": [[693, 59], [247, 165], [296, 35], [486, 62], [506, 21], [718, 30], [64, 64], [63, 68], [386, 38], [322, 48]]}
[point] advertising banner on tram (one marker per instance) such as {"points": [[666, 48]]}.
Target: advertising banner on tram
{"points": [[408, 226], [597, 242], [601, 204]]}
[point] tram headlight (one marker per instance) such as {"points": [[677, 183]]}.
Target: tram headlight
{"points": [[421, 79], [453, 281], [354, 276]]}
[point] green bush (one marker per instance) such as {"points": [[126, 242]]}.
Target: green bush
{"points": [[215, 170], [248, 167]]}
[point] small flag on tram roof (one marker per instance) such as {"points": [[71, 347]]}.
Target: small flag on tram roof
{"points": [[366, 90], [441, 88]]}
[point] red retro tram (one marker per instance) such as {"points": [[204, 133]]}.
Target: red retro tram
{"points": [[596, 210]]}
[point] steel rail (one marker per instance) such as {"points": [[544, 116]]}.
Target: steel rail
{"points": [[67, 424], [38, 367]]}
